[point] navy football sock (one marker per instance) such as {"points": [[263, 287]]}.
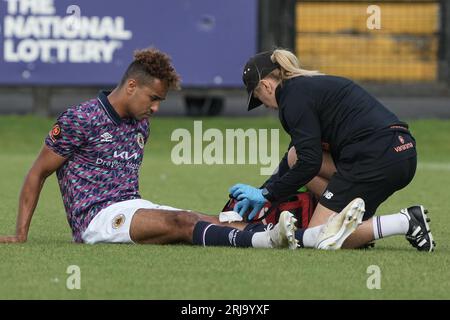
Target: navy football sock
{"points": [[255, 227], [299, 236], [207, 234]]}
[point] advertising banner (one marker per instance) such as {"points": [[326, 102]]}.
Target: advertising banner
{"points": [[85, 42]]}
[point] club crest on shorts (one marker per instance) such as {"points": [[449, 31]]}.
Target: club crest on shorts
{"points": [[402, 140], [140, 140], [118, 221]]}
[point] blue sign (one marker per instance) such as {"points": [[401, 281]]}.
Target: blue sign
{"points": [[85, 42]]}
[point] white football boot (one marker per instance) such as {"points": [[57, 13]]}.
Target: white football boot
{"points": [[282, 235], [340, 226]]}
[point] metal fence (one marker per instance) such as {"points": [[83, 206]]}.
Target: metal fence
{"points": [[382, 42], [408, 55]]}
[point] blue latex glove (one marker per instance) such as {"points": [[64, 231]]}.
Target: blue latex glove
{"points": [[242, 206], [253, 195], [242, 189]]}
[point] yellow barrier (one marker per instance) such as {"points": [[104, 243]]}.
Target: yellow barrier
{"points": [[343, 17], [334, 38]]}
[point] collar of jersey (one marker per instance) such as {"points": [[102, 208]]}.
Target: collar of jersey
{"points": [[106, 105], [278, 90], [281, 90]]}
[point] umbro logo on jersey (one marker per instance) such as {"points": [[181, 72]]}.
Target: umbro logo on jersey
{"points": [[106, 137]]}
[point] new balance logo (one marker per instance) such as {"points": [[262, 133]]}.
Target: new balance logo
{"points": [[327, 194], [106, 137]]}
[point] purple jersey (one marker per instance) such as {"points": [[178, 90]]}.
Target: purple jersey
{"points": [[104, 153]]}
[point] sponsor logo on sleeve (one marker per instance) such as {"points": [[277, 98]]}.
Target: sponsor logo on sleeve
{"points": [[55, 133]]}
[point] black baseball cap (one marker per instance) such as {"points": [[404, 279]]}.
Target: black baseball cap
{"points": [[256, 69]]}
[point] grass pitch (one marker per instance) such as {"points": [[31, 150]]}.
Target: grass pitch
{"points": [[38, 268]]}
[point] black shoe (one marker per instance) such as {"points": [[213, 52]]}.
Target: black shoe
{"points": [[419, 234]]}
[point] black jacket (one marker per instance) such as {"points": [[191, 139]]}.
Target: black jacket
{"points": [[323, 113]]}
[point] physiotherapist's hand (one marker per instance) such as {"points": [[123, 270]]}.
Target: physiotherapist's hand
{"points": [[252, 194], [240, 191], [242, 206], [235, 190]]}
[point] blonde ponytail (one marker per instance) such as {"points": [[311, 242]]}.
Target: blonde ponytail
{"points": [[289, 66]]}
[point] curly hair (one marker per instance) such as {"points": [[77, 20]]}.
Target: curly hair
{"points": [[150, 64]]}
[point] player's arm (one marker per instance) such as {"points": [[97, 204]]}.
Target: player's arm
{"points": [[282, 168], [305, 132], [46, 163]]}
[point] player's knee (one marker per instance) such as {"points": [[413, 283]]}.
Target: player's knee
{"points": [[184, 220]]}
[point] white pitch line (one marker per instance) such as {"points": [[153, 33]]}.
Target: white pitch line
{"points": [[434, 166]]}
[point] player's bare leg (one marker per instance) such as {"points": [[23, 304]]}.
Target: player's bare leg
{"points": [[156, 226], [153, 226], [215, 219]]}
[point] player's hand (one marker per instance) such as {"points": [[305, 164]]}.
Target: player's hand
{"points": [[12, 239]]}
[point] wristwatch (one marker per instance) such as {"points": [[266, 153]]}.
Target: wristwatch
{"points": [[266, 194]]}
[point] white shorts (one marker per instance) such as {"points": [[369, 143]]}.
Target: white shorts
{"points": [[112, 224]]}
